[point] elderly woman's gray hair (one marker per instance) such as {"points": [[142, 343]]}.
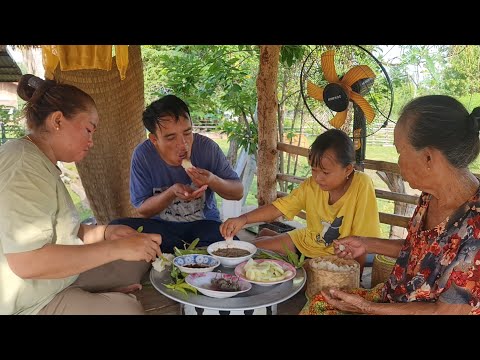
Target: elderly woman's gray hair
{"points": [[443, 123]]}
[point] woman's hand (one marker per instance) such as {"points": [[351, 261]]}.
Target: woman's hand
{"points": [[115, 232], [347, 302], [135, 245], [141, 246], [349, 247], [232, 226]]}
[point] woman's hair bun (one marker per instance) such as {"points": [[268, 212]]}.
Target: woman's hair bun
{"points": [[27, 85], [35, 82]]}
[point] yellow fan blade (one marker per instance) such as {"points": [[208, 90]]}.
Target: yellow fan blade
{"points": [[364, 105], [339, 119], [328, 66], [314, 91], [356, 73]]}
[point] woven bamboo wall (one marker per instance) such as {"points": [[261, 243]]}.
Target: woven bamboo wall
{"points": [[105, 172]]}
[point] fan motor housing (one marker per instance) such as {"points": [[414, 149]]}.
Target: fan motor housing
{"points": [[335, 97]]}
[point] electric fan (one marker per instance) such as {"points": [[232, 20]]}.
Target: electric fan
{"points": [[335, 81]]}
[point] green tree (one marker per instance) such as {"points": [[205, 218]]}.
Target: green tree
{"points": [[11, 123], [460, 76]]}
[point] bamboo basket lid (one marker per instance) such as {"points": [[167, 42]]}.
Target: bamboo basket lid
{"points": [[382, 268]]}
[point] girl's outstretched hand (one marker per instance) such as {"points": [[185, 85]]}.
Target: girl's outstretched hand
{"points": [[232, 226]]}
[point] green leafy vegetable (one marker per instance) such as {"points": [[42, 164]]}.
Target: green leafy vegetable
{"points": [[177, 276], [190, 249], [181, 286], [291, 257]]}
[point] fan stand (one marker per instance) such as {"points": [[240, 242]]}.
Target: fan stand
{"points": [[359, 137], [359, 124]]}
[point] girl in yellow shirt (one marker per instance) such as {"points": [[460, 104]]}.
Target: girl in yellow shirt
{"points": [[339, 202]]}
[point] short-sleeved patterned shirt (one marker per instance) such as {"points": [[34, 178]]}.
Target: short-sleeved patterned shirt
{"points": [[442, 263]]}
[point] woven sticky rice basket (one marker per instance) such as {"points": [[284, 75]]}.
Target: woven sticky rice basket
{"points": [[382, 268], [317, 278]]}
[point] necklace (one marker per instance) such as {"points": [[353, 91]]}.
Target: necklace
{"points": [[53, 161], [33, 142]]}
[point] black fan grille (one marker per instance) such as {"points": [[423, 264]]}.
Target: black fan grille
{"points": [[379, 94]]}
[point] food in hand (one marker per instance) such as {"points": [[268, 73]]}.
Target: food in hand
{"points": [[341, 247], [186, 164], [229, 241], [163, 261]]}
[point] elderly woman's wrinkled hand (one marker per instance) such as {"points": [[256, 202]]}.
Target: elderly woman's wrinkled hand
{"points": [[349, 247], [346, 302]]}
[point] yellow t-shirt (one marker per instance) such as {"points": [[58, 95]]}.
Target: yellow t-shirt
{"points": [[35, 209], [355, 213]]}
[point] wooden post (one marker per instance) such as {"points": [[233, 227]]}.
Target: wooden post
{"points": [[267, 124], [395, 183]]}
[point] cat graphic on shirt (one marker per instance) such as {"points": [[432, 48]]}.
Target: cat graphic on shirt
{"points": [[330, 231]]}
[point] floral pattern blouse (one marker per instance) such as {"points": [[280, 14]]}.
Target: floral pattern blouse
{"points": [[442, 263]]}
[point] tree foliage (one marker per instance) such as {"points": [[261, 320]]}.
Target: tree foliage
{"points": [[461, 72], [219, 82]]}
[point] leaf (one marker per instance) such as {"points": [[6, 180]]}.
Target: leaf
{"points": [[177, 251], [301, 261], [193, 244], [140, 229], [236, 88], [268, 255], [165, 259], [176, 288], [187, 287], [180, 252], [292, 257], [181, 286], [176, 274]]}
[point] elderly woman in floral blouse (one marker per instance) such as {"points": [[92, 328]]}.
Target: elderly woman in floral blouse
{"points": [[438, 265]]}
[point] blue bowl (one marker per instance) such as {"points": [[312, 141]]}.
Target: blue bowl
{"points": [[195, 263]]}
